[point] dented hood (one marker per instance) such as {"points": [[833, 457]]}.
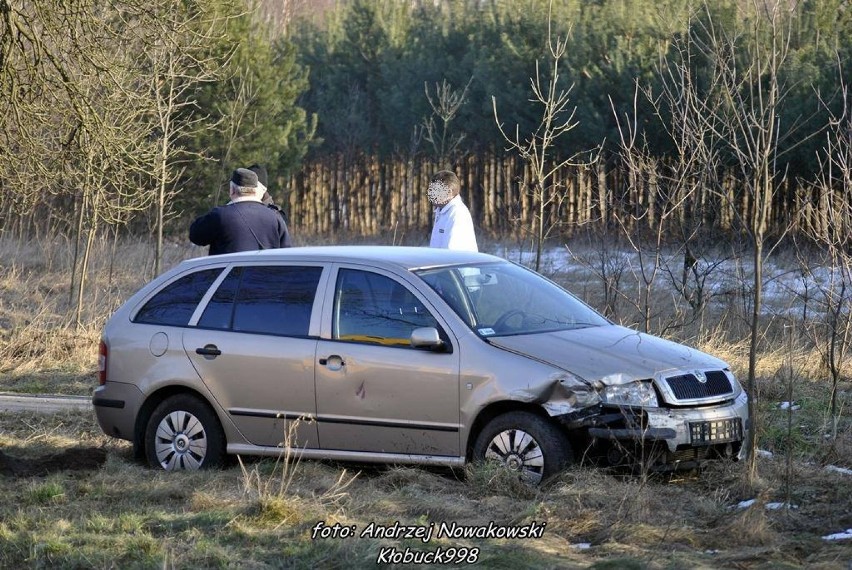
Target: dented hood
{"points": [[611, 354]]}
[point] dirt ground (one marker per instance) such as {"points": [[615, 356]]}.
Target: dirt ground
{"points": [[74, 459]]}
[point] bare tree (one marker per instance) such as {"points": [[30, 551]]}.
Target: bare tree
{"points": [[445, 105], [744, 110], [79, 131], [36, 82], [172, 44], [833, 332], [537, 149], [692, 171], [674, 187], [662, 189], [113, 150]]}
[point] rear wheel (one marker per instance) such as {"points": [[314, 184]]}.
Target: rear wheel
{"points": [[524, 443], [183, 433]]}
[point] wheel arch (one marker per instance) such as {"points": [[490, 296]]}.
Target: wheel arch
{"points": [[498, 409]]}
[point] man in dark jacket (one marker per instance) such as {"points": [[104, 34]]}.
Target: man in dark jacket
{"points": [[263, 181], [243, 224]]}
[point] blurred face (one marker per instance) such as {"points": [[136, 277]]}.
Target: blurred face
{"points": [[439, 193]]}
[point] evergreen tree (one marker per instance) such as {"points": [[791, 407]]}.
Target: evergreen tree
{"points": [[253, 114]]}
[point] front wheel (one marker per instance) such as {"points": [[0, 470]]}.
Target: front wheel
{"points": [[524, 443], [183, 433]]}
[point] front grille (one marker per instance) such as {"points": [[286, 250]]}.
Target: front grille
{"points": [[720, 431], [687, 386]]}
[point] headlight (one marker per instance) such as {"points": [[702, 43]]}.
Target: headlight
{"points": [[631, 394], [735, 385]]}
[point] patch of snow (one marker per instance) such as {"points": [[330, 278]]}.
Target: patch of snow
{"points": [[776, 506], [845, 535], [581, 545], [837, 469], [768, 506], [786, 291]]}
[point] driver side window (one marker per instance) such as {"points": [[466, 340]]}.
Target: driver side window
{"points": [[375, 309]]}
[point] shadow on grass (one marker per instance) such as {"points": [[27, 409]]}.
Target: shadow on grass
{"points": [[74, 459]]}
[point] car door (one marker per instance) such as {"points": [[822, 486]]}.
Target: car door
{"points": [[375, 393], [254, 348]]}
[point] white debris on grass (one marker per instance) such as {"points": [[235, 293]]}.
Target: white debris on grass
{"points": [[845, 535], [581, 546], [837, 469], [789, 406], [764, 453]]}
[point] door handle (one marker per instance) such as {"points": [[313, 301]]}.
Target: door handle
{"points": [[333, 362], [208, 350]]}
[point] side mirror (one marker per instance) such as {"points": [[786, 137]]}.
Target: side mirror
{"points": [[426, 337]]}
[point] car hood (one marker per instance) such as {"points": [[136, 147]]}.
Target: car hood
{"points": [[610, 354]]}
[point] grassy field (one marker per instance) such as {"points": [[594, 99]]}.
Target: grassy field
{"points": [[89, 505], [261, 514]]}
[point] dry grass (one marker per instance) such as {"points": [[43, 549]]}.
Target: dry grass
{"points": [[42, 348]]}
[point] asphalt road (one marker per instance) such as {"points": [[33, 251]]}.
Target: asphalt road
{"points": [[45, 403]]}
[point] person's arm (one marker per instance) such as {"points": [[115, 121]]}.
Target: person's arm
{"points": [[284, 233], [435, 235], [203, 229], [460, 230]]}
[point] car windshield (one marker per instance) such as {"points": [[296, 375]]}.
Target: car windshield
{"points": [[506, 299]]}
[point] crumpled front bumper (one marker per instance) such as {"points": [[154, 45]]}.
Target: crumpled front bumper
{"points": [[677, 428]]}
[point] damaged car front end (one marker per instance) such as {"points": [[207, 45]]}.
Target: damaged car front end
{"points": [[645, 424], [672, 419], [620, 397]]}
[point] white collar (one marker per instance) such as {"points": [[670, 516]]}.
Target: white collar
{"points": [[455, 200], [245, 199]]}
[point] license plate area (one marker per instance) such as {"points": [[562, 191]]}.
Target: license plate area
{"points": [[719, 431]]}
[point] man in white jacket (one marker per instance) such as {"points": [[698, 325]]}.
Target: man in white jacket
{"points": [[453, 226]]}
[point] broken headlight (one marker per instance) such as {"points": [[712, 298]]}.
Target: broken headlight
{"points": [[630, 394]]}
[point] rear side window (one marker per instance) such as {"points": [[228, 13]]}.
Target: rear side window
{"points": [[175, 303], [266, 300], [219, 312]]}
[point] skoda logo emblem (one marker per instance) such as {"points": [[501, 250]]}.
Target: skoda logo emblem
{"points": [[702, 378]]}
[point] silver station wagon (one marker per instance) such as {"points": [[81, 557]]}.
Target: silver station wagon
{"points": [[400, 355]]}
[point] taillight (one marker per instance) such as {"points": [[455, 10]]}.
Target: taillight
{"points": [[102, 363]]}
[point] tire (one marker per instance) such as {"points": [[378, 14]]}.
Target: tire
{"points": [[526, 443], [183, 433]]}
